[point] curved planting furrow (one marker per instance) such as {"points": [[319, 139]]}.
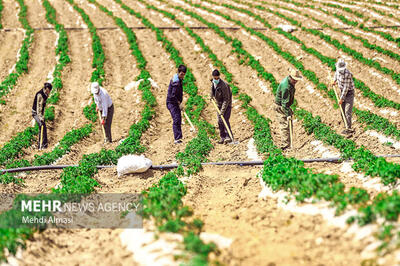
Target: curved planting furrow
{"points": [[359, 27], [373, 121], [376, 11], [21, 66], [272, 166], [388, 35], [387, 56], [10, 41], [367, 13]]}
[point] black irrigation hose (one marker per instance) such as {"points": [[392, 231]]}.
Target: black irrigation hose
{"points": [[175, 165], [194, 28]]}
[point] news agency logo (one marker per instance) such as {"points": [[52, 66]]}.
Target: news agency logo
{"points": [[56, 206], [102, 210]]}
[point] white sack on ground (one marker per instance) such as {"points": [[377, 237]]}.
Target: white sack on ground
{"points": [[133, 85], [287, 28], [133, 164]]}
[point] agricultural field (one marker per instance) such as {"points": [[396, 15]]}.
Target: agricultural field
{"points": [[284, 212]]}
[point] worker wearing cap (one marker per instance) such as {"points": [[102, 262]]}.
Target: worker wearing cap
{"points": [[284, 99], [105, 106], [344, 79], [174, 102], [221, 92], [39, 104]]}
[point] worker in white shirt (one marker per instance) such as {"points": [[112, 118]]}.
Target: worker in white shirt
{"points": [[104, 104]]}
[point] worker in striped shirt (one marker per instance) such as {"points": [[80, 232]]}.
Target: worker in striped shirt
{"points": [[344, 79]]}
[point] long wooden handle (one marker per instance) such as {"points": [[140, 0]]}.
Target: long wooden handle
{"points": [[291, 132], [337, 99], [41, 137], [102, 127], [223, 119], [340, 107], [188, 119]]}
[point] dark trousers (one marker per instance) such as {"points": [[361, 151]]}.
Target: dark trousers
{"points": [[107, 125], [176, 119], [45, 141], [347, 107], [223, 133]]}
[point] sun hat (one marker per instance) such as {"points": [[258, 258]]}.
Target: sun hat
{"points": [[341, 64], [295, 74], [95, 87]]}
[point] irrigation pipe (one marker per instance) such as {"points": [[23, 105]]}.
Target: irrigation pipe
{"points": [[194, 28], [175, 165]]}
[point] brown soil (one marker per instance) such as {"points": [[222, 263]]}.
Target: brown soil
{"points": [[10, 41], [225, 198], [227, 201]]}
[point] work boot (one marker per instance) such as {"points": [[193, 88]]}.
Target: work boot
{"points": [[283, 148], [227, 140], [221, 141], [347, 131]]}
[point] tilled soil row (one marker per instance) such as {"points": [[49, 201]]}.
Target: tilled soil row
{"points": [[10, 41]]}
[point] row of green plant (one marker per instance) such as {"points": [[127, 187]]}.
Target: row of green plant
{"points": [[365, 160], [373, 122], [289, 174], [64, 146], [21, 66], [61, 53], [98, 74], [163, 201], [1, 10]]}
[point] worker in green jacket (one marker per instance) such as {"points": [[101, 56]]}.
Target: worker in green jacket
{"points": [[284, 99]]}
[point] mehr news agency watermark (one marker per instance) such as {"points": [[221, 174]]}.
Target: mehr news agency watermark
{"points": [[91, 211]]}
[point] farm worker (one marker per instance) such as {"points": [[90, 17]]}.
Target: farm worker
{"points": [[344, 79], [39, 104], [104, 104], [221, 92], [174, 102], [284, 99]]}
